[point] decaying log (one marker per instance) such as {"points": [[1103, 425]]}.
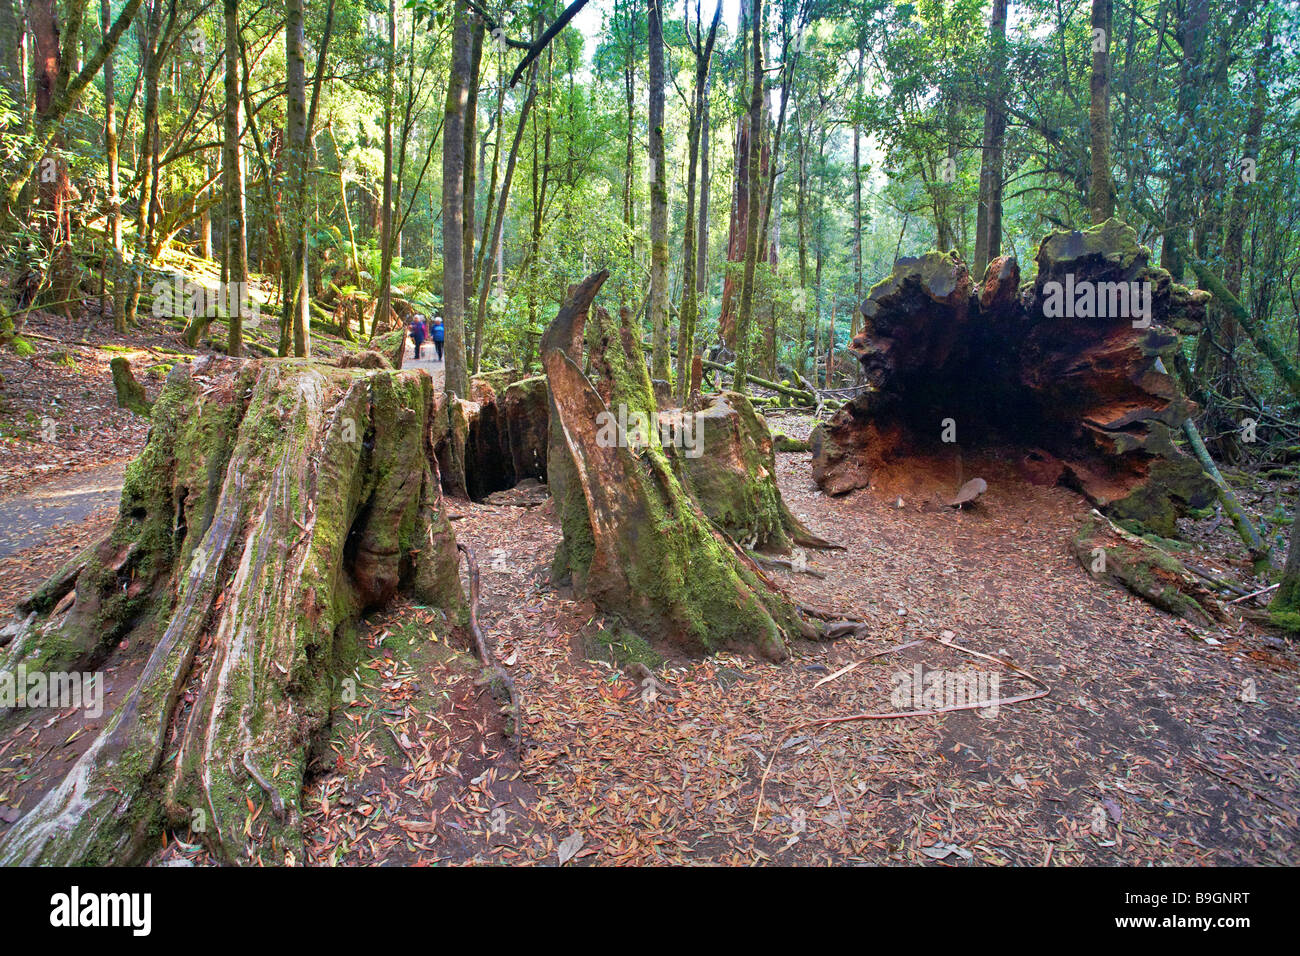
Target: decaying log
{"points": [[1109, 553], [1067, 385], [635, 542], [273, 503]]}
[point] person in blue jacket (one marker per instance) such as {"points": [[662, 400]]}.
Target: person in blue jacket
{"points": [[437, 335], [418, 334]]}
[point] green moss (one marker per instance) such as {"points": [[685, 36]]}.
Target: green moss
{"points": [[783, 442], [1287, 620], [622, 647]]}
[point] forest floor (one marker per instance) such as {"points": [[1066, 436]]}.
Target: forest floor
{"points": [[1144, 753], [1160, 742]]}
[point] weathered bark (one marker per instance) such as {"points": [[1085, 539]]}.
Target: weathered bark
{"points": [[635, 542], [729, 469], [494, 439], [272, 505], [1082, 398]]}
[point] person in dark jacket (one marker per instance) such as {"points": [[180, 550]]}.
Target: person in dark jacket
{"points": [[418, 334], [437, 336]]}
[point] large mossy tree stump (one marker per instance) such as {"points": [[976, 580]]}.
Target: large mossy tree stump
{"points": [[635, 542], [726, 462], [273, 504]]}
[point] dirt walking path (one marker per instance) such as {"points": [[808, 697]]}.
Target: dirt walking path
{"points": [[28, 518]]}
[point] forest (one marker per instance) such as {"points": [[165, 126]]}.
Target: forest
{"points": [[781, 432]]}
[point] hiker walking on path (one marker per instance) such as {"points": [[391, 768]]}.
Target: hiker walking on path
{"points": [[437, 336], [418, 334]]}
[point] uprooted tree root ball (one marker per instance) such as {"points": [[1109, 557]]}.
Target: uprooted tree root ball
{"points": [[1066, 379]]}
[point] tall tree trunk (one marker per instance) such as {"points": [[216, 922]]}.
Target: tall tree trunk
{"points": [[702, 242], [384, 306], [1239, 213], [453, 204], [658, 301], [114, 175], [801, 215], [857, 192], [988, 216], [1101, 190], [471, 168], [690, 305], [235, 229], [751, 237], [1191, 38], [296, 317], [629, 99]]}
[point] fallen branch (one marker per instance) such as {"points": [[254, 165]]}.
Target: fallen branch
{"points": [[897, 715], [1244, 597]]}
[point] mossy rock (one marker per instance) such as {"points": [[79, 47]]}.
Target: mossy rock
{"points": [[783, 442]]}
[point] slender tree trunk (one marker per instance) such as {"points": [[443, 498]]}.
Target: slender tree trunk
{"points": [[1239, 213], [690, 305], [702, 242], [752, 234], [453, 204], [988, 216], [1191, 37], [114, 176], [801, 215], [857, 194], [498, 223], [658, 301], [384, 305], [297, 290], [471, 160], [1101, 190], [235, 229]]}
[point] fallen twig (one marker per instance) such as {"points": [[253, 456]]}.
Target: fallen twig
{"points": [[897, 715]]}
